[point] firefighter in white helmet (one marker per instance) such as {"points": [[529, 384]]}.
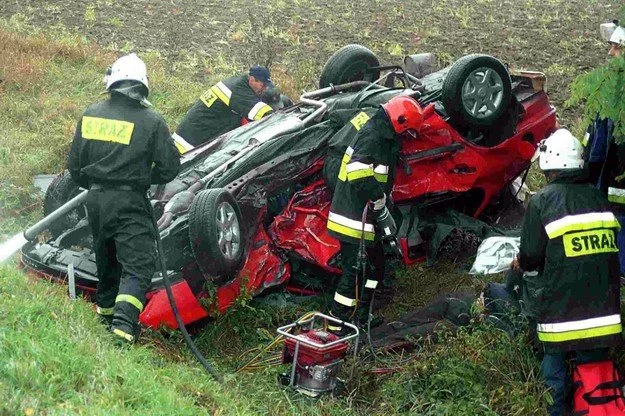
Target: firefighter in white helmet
{"points": [[568, 250], [615, 36], [605, 159], [120, 147]]}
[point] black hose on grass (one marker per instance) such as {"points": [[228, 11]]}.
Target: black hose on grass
{"points": [[187, 338]]}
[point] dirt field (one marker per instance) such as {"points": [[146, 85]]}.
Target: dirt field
{"points": [[558, 37]]}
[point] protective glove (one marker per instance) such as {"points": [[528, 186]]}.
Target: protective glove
{"points": [[386, 227], [385, 222], [379, 204]]}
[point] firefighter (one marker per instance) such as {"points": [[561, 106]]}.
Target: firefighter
{"points": [[120, 147], [225, 105], [568, 239], [605, 159], [365, 179]]}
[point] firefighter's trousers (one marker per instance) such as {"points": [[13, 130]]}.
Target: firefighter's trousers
{"points": [[354, 289], [125, 250]]}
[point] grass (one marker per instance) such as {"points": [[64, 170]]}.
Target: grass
{"points": [[56, 359], [54, 356]]}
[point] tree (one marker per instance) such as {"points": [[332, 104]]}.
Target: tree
{"points": [[602, 91]]}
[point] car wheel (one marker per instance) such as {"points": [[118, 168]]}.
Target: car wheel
{"points": [[215, 232], [62, 189], [350, 63], [477, 90]]}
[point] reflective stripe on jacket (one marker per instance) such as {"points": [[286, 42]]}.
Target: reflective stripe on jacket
{"points": [[569, 238]]}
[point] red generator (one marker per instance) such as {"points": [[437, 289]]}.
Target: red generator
{"points": [[315, 354]]}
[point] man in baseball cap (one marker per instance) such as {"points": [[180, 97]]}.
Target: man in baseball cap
{"points": [[225, 106]]}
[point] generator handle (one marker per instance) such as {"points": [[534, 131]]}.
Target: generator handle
{"points": [[283, 330]]}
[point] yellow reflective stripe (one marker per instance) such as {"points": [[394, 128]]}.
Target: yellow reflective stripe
{"points": [[123, 334], [181, 144], [359, 120], [343, 172], [371, 284], [181, 149], [580, 333], [616, 199], [585, 139], [359, 174], [357, 170], [589, 242], [587, 323], [222, 92], [616, 195], [350, 232], [130, 299], [355, 224], [258, 111], [344, 162], [106, 130], [380, 178], [334, 328], [344, 300], [104, 311], [381, 173], [581, 222]]}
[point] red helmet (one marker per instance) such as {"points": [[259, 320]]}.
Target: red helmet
{"points": [[404, 112]]}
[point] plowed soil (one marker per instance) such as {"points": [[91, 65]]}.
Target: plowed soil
{"points": [[558, 37]]}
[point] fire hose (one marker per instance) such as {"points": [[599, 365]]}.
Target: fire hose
{"points": [[388, 228], [170, 296]]}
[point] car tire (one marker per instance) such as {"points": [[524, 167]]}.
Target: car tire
{"points": [[62, 189], [350, 63], [215, 233], [477, 90]]}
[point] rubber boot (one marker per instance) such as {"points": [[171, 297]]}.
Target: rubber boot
{"points": [[105, 316]]}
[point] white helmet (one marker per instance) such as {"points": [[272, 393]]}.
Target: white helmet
{"points": [[618, 36], [128, 67], [561, 151], [611, 32]]}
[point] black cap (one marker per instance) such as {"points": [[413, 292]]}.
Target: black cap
{"points": [[262, 74]]}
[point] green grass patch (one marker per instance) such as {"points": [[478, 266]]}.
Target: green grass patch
{"points": [[55, 358]]}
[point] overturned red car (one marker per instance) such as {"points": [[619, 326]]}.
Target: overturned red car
{"points": [[251, 204]]}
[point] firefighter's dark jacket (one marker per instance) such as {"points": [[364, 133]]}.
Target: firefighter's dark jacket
{"points": [[569, 239], [120, 142], [221, 109], [606, 162], [366, 174]]}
